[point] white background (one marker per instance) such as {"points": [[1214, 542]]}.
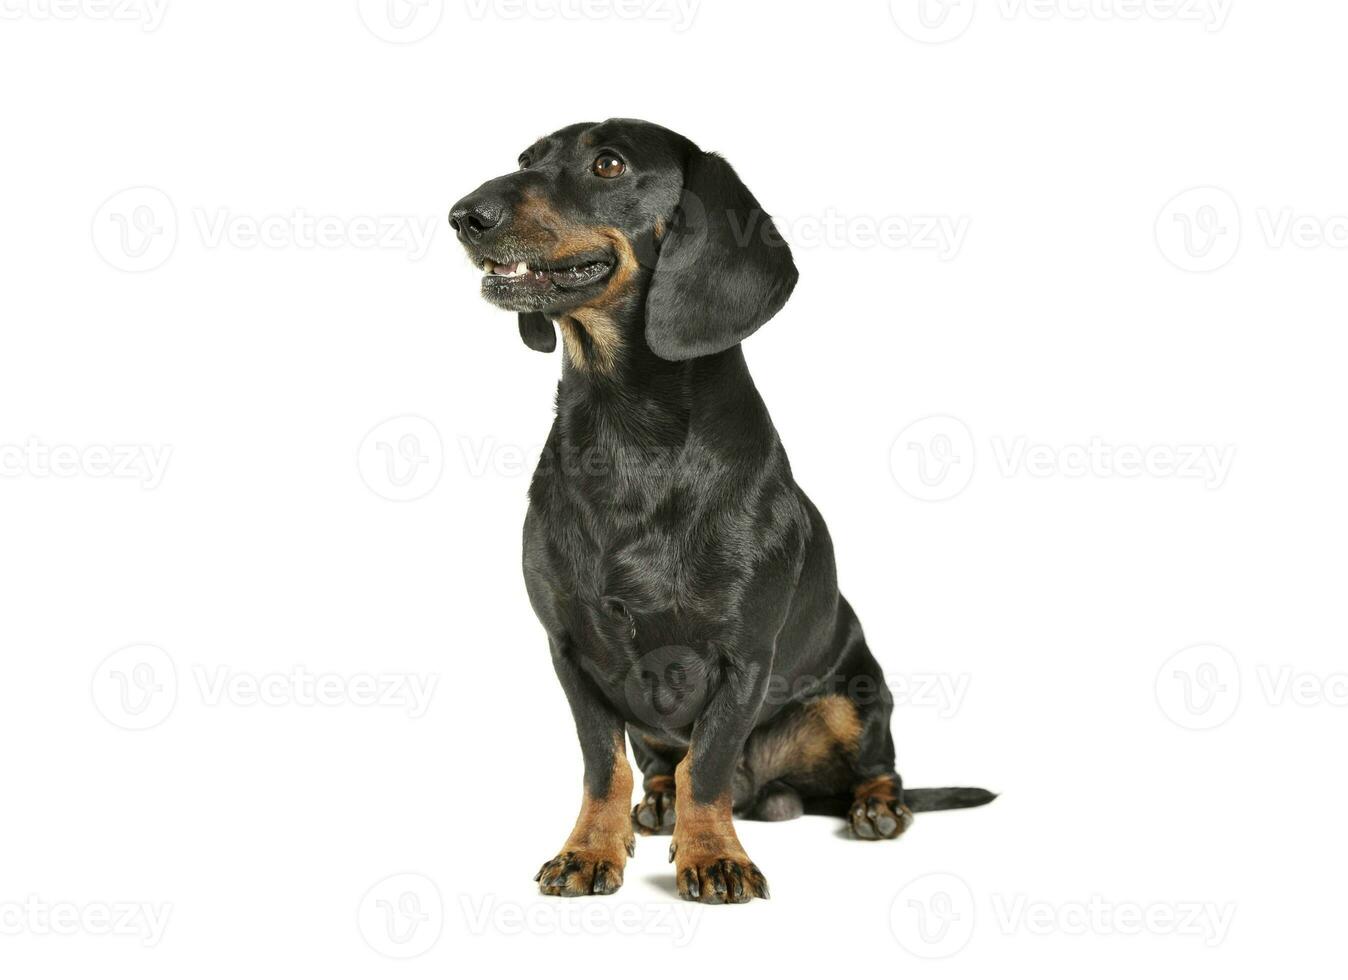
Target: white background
{"points": [[1073, 331]]}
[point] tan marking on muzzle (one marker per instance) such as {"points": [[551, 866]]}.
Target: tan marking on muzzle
{"points": [[597, 318], [590, 333]]}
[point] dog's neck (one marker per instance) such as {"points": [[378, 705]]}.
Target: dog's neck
{"points": [[635, 400]]}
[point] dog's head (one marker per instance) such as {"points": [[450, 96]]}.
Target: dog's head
{"points": [[623, 232]]}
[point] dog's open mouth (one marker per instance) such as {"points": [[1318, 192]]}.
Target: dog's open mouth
{"points": [[563, 277], [541, 284]]}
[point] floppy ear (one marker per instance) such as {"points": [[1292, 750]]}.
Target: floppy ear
{"points": [[723, 269], [537, 332]]}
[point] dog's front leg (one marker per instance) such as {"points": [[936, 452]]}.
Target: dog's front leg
{"points": [[592, 859], [709, 862]]}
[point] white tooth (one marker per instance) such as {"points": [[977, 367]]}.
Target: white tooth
{"points": [[486, 266], [521, 269]]}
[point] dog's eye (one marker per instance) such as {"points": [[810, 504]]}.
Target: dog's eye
{"points": [[608, 165]]}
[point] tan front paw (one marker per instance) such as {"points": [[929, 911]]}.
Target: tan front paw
{"points": [[716, 873], [583, 871]]}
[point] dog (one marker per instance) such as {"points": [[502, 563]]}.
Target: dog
{"points": [[685, 583]]}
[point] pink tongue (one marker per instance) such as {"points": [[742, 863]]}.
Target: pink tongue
{"points": [[503, 270]]}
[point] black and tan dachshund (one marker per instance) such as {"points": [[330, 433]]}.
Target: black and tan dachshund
{"points": [[685, 582]]}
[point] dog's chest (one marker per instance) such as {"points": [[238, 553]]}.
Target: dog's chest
{"points": [[649, 547]]}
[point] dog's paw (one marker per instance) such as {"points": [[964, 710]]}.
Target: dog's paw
{"points": [[655, 813], [877, 818], [582, 873], [717, 879]]}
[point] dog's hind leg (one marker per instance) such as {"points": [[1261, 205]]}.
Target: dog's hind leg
{"points": [[654, 814], [876, 805], [877, 810], [808, 751], [777, 801]]}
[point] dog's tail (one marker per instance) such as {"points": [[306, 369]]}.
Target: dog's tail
{"points": [[917, 800], [946, 798]]}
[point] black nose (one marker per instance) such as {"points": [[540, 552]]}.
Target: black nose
{"points": [[474, 216]]}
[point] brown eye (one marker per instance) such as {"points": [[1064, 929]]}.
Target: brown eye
{"points": [[608, 165]]}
